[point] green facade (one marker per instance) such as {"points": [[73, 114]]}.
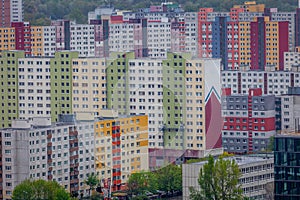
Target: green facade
{"points": [[174, 100], [117, 82], [9, 86], [61, 83]]}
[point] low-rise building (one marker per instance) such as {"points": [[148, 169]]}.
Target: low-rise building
{"points": [[257, 174]]}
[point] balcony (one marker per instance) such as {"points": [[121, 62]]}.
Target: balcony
{"points": [[73, 133], [74, 173], [50, 177], [73, 165], [72, 149], [73, 141], [74, 188], [74, 181], [74, 157]]}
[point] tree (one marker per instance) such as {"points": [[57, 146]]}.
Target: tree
{"points": [[169, 178], [218, 180], [39, 189], [92, 181], [269, 191], [141, 182], [270, 147]]}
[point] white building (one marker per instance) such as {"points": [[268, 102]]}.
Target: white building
{"points": [[290, 17], [290, 111], [49, 37], [271, 82], [16, 10], [37, 149], [292, 61], [83, 39], [146, 95], [256, 173], [34, 88], [89, 85]]}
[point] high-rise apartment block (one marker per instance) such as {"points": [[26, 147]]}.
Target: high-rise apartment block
{"points": [[249, 121], [73, 148], [182, 103], [11, 11], [180, 94], [9, 87], [271, 82], [245, 36], [290, 111], [121, 148]]}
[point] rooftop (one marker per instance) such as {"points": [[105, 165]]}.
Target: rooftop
{"points": [[244, 160]]}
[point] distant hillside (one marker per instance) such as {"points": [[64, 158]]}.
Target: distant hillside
{"points": [[40, 12]]}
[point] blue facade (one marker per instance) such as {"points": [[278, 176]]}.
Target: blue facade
{"points": [[219, 40]]}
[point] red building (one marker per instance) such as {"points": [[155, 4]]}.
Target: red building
{"points": [[5, 13], [22, 37], [249, 121]]}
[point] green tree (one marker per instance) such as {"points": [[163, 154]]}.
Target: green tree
{"points": [[218, 180], [40, 189], [92, 181], [141, 182], [169, 178], [270, 147]]}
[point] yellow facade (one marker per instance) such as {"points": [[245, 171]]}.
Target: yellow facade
{"points": [[7, 39], [89, 85], [37, 48], [272, 44], [251, 6], [244, 43], [195, 110], [133, 146]]}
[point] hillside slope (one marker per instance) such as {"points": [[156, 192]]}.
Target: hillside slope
{"points": [[40, 12]]}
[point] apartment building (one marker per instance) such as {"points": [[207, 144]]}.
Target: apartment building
{"points": [[290, 110], [12, 11], [8, 43], [262, 42], [34, 88], [130, 36], [272, 82], [38, 149], [37, 43], [291, 60], [22, 37], [180, 98], [249, 121], [61, 83], [183, 90], [286, 166], [9, 86], [49, 40], [89, 85], [121, 148], [83, 39], [257, 174]]}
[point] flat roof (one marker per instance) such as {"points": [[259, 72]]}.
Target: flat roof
{"points": [[243, 160]]}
